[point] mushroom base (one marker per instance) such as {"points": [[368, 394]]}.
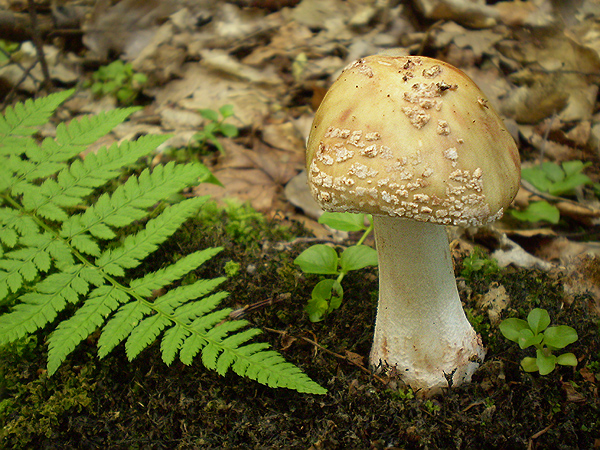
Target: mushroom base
{"points": [[421, 333]]}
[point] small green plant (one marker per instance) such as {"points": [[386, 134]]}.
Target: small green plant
{"points": [[216, 126], [479, 321], [240, 221], [535, 331], [119, 80], [478, 263], [232, 268], [432, 407], [7, 48], [66, 254], [402, 394], [321, 259], [554, 179]]}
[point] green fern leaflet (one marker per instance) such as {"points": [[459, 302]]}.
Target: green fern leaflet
{"points": [[62, 252]]}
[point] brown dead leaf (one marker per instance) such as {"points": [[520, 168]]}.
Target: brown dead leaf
{"points": [[298, 194], [588, 375], [558, 76], [286, 342], [200, 87], [480, 41], [126, 27], [572, 394], [494, 301], [563, 249], [160, 60], [354, 358], [250, 185], [580, 134], [538, 97], [289, 40], [474, 14], [256, 176], [525, 13], [283, 136], [509, 252], [582, 277]]}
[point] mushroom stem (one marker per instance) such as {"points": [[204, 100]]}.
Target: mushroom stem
{"points": [[421, 331]]}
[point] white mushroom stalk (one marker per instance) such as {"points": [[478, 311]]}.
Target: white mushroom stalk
{"points": [[421, 331], [414, 141]]}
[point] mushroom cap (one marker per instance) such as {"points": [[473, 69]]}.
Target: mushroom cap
{"points": [[411, 137]]}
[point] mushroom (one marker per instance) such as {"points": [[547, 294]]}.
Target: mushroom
{"points": [[413, 141]]}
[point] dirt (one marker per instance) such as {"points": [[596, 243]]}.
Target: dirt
{"points": [[538, 62], [112, 403]]}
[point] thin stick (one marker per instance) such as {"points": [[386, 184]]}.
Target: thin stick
{"points": [[537, 435], [39, 44], [337, 355]]}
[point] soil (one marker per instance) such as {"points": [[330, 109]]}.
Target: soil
{"points": [[530, 65], [112, 403]]}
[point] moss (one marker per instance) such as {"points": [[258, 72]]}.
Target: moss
{"points": [[37, 410], [112, 403]]}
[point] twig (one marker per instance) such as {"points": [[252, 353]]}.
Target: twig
{"points": [[26, 73], [537, 435], [241, 312], [545, 138], [13, 89], [39, 44], [337, 355], [436, 418]]}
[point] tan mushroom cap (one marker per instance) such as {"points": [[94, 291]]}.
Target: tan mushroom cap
{"points": [[411, 137]]}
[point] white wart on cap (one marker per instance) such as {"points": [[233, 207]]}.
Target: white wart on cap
{"points": [[411, 137]]}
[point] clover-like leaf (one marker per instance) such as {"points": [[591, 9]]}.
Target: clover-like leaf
{"points": [[553, 171], [538, 320], [343, 221], [567, 359], [545, 362], [209, 114], [511, 328], [527, 338], [560, 336], [226, 111], [326, 296], [320, 259], [529, 364], [357, 257], [538, 211]]}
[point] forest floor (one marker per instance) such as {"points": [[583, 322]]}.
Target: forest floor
{"points": [[539, 64]]}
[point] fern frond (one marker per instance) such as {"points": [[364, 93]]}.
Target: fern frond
{"points": [[24, 118], [163, 277], [100, 303], [121, 325], [171, 342], [138, 246], [37, 253], [55, 259], [38, 308], [74, 138], [144, 334], [106, 164], [14, 224]]}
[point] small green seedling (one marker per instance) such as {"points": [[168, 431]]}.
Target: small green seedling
{"points": [[216, 126], [555, 180], [240, 221], [7, 48], [120, 80], [537, 332], [321, 259], [478, 263]]}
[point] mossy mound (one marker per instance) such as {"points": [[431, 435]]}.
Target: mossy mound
{"points": [[112, 403]]}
